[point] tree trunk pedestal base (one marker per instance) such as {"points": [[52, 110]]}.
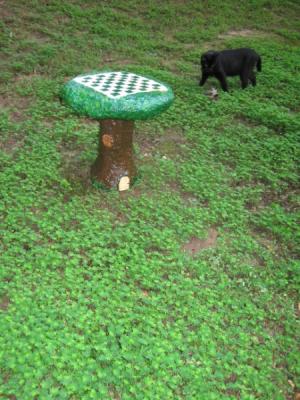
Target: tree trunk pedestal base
{"points": [[114, 166]]}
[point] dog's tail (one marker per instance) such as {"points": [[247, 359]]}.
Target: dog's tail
{"points": [[258, 64]]}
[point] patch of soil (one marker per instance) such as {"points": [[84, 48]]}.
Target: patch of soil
{"points": [[4, 303], [232, 392], [7, 14], [218, 42], [168, 144], [17, 116], [231, 379], [195, 245], [11, 145], [78, 173], [187, 197], [16, 105], [64, 19], [40, 36], [28, 77], [74, 169], [175, 135], [114, 393], [169, 65], [146, 146], [132, 192], [240, 33], [287, 200], [113, 59]]}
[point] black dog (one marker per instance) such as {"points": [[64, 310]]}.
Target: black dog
{"points": [[221, 64]]}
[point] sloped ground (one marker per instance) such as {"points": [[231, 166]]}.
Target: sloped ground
{"points": [[185, 287]]}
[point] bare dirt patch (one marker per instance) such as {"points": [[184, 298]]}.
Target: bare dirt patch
{"points": [[242, 120], [241, 33], [170, 65], [12, 144], [195, 245], [188, 198], [168, 144], [218, 42], [8, 396], [132, 192], [16, 105], [28, 77], [115, 60], [74, 168], [7, 13], [4, 303], [288, 200], [40, 37], [78, 172]]}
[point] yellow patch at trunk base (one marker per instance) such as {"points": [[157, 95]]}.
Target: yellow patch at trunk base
{"points": [[124, 183], [107, 140]]}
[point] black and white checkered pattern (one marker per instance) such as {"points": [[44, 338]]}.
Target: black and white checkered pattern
{"points": [[119, 84]]}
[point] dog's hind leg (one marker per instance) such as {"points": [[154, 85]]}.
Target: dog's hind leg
{"points": [[244, 77], [244, 80], [248, 73], [258, 65]]}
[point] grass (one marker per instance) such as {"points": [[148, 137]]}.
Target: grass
{"points": [[98, 298]]}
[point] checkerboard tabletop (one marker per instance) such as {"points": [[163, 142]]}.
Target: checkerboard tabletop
{"points": [[119, 84]]}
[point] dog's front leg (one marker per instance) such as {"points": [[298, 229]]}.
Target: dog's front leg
{"points": [[220, 75], [203, 79]]}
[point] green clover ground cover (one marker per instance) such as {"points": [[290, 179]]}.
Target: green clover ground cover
{"points": [[98, 299]]}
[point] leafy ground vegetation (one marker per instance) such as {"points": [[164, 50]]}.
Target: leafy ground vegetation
{"points": [[184, 287]]}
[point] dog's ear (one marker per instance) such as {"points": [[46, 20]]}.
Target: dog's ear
{"points": [[211, 56], [203, 59], [208, 58]]}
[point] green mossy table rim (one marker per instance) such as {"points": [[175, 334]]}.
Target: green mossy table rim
{"points": [[88, 102]]}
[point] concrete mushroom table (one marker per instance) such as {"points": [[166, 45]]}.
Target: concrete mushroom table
{"points": [[116, 99]]}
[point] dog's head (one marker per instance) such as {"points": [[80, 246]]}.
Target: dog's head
{"points": [[208, 60]]}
